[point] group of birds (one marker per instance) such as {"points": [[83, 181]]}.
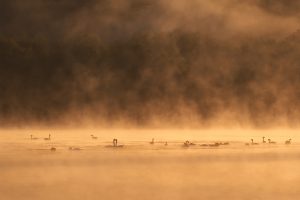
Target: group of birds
{"points": [[35, 138], [187, 143], [152, 142], [289, 141]]}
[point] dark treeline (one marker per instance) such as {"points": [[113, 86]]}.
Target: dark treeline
{"points": [[122, 66]]}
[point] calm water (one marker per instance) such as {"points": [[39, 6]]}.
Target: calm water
{"points": [[29, 170]]}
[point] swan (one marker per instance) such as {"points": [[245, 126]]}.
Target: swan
{"points": [[115, 142], [186, 143], [33, 138], [74, 148], [263, 141], [94, 137], [224, 143], [214, 145], [152, 142], [253, 143], [48, 138], [204, 145], [289, 141], [271, 142], [53, 149]]}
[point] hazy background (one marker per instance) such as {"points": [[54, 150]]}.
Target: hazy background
{"points": [[150, 63]]}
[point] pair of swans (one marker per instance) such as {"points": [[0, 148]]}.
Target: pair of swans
{"points": [[115, 144], [35, 138], [255, 143], [152, 142], [269, 141]]}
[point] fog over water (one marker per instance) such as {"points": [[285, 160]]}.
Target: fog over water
{"points": [[217, 73], [161, 64], [29, 170]]}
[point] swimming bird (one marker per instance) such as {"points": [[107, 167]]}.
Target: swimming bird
{"points": [[225, 143], [166, 143], [152, 142], [253, 143], [94, 137], [289, 141], [53, 149], [48, 138], [33, 138], [271, 142], [216, 144], [188, 143], [192, 144], [74, 148], [204, 145], [263, 141], [221, 143], [115, 142]]}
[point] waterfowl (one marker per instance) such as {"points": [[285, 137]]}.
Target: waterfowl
{"points": [[152, 142], [94, 137], [289, 141], [74, 148], [224, 143], [253, 143], [115, 142], [186, 143], [263, 140], [166, 143], [33, 138], [204, 145], [53, 149], [214, 145], [271, 142], [48, 138], [221, 143]]}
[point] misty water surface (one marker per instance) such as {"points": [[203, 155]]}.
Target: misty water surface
{"points": [[29, 170]]}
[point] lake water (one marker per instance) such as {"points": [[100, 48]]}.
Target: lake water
{"points": [[139, 170]]}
